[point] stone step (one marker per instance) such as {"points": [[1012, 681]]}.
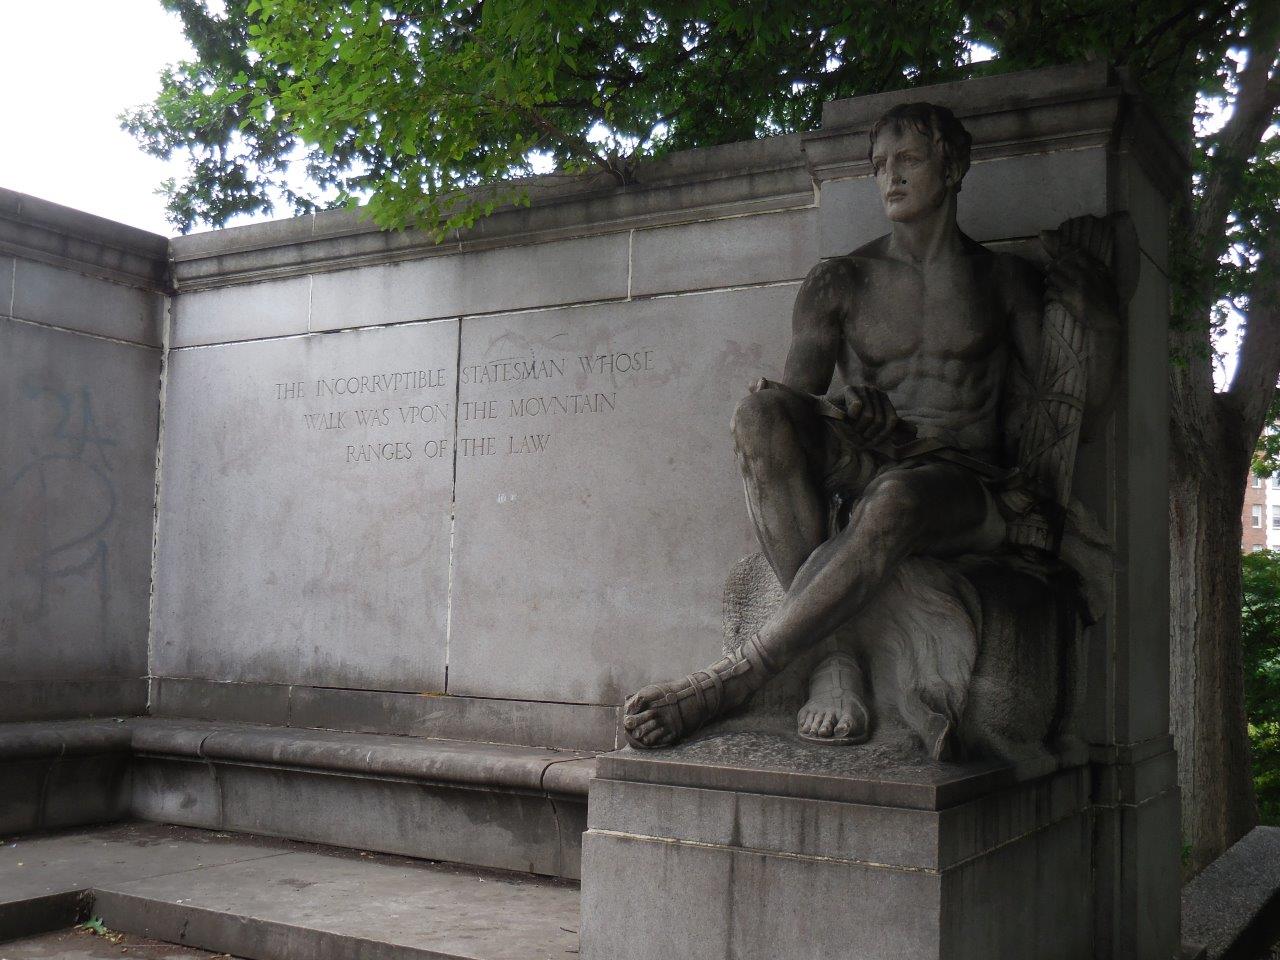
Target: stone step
{"points": [[277, 900]]}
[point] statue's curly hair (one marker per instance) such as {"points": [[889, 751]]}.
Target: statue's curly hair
{"points": [[937, 123]]}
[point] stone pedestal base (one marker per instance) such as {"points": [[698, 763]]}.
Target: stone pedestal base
{"points": [[759, 847]]}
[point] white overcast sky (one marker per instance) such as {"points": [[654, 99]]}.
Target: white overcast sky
{"points": [[67, 70]]}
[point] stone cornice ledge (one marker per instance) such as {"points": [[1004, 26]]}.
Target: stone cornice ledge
{"points": [[39, 230], [738, 178]]}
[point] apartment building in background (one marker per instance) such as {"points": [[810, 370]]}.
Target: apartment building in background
{"points": [[1261, 514]]}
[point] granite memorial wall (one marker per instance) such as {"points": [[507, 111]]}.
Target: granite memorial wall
{"points": [[81, 320]]}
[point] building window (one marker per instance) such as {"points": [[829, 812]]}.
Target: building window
{"points": [[1275, 480], [1257, 514], [1275, 517], [1258, 548], [1257, 480]]}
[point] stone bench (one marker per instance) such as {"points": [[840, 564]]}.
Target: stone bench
{"points": [[487, 804], [1229, 910]]}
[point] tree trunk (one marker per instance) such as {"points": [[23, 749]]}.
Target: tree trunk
{"points": [[1206, 667]]}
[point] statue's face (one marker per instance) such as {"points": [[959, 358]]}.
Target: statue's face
{"points": [[910, 172]]}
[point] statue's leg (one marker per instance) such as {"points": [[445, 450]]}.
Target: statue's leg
{"points": [[931, 509], [777, 438]]}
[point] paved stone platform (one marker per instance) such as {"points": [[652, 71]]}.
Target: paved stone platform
{"points": [[278, 900], [77, 945]]}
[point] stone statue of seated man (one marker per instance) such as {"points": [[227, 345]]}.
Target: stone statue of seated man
{"points": [[923, 449]]}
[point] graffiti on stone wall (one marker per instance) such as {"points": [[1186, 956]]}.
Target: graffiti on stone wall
{"points": [[61, 501]]}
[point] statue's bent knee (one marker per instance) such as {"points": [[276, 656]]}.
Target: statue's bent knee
{"points": [[756, 420]]}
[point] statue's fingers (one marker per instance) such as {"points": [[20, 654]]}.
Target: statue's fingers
{"points": [[854, 406]]}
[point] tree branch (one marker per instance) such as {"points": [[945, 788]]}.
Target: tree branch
{"points": [[1254, 382], [1258, 98]]}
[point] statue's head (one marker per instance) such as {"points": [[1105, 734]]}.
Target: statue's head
{"points": [[919, 154]]}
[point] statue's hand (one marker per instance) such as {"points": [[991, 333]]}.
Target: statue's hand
{"points": [[870, 412], [1083, 285]]}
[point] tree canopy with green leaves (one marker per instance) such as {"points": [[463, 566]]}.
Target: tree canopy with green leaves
{"points": [[427, 113], [406, 104]]}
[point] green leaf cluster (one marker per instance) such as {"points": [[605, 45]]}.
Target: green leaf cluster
{"points": [[1260, 638], [429, 111]]}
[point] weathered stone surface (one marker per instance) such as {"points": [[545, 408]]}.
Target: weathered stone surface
{"points": [[250, 311], [880, 833], [315, 904], [52, 233], [74, 301], [255, 898], [583, 567], [513, 278], [297, 545], [724, 253], [738, 866], [67, 699], [700, 901], [83, 859], [1226, 907], [78, 944], [220, 700], [7, 267], [569, 726], [77, 482], [496, 805], [510, 831], [1141, 676]]}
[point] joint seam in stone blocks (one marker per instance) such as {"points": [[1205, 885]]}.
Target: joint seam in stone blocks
{"points": [[81, 333]]}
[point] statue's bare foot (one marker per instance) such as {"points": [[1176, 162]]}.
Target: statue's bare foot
{"points": [[662, 713], [835, 713]]}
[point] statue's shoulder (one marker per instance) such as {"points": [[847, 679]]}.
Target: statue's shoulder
{"points": [[1017, 277], [845, 272], [869, 254]]}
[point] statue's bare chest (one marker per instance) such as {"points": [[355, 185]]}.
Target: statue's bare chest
{"points": [[943, 313]]}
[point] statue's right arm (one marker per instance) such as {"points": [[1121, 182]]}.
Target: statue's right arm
{"points": [[817, 322]]}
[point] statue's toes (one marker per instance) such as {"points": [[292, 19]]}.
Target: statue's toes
{"points": [[633, 721], [639, 702], [657, 737], [843, 727], [646, 728], [824, 728]]}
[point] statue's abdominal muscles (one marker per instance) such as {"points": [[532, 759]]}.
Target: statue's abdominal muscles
{"points": [[959, 396]]}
